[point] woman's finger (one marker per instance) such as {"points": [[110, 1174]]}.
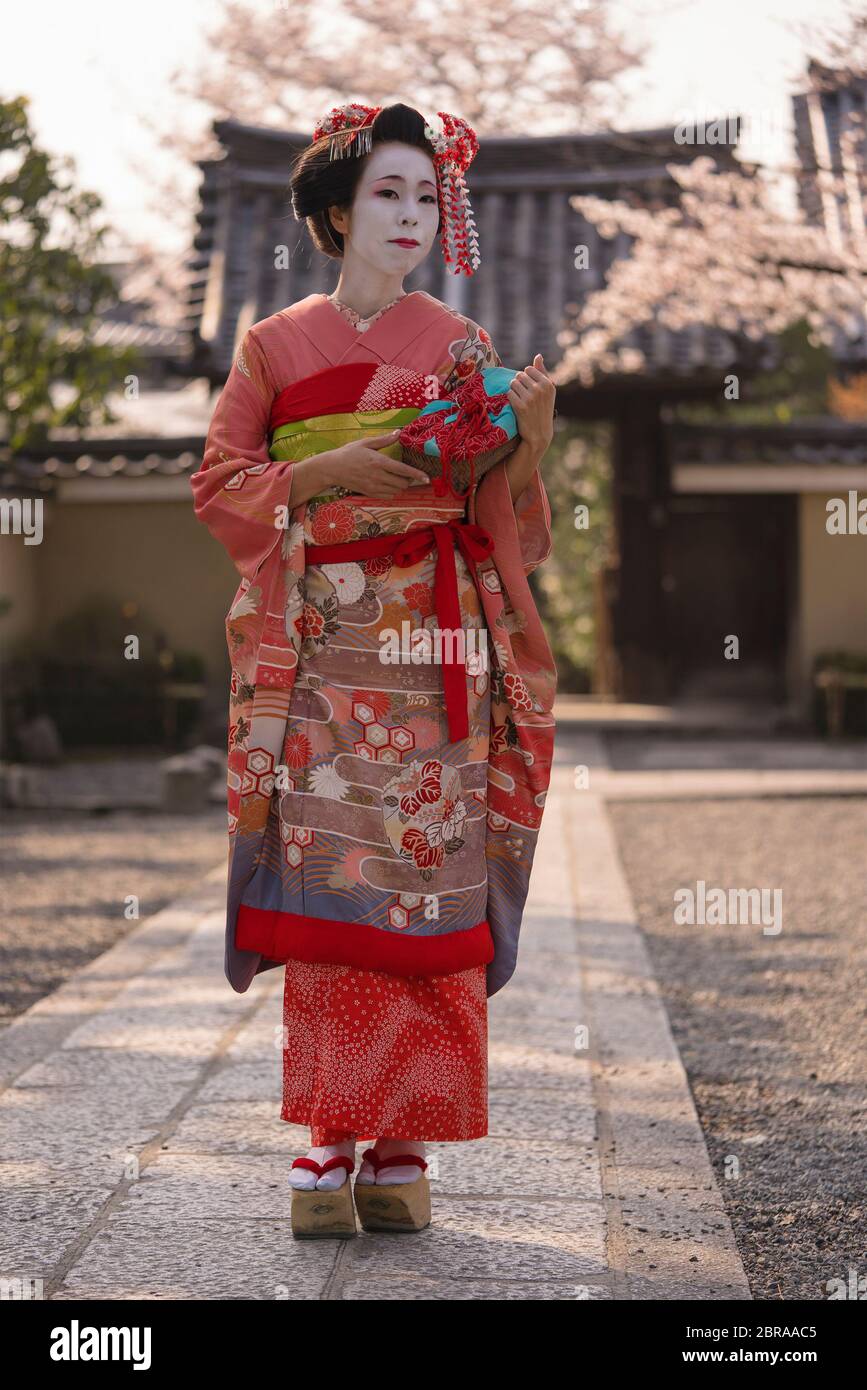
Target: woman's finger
{"points": [[392, 482], [404, 471], [381, 441]]}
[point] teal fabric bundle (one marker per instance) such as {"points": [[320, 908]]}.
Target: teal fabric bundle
{"points": [[456, 439]]}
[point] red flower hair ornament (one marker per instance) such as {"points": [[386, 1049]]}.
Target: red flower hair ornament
{"points": [[455, 146]]}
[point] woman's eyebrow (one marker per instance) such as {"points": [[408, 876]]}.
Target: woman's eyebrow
{"points": [[402, 179]]}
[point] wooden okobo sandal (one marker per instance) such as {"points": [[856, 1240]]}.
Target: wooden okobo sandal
{"points": [[318, 1212], [393, 1206]]}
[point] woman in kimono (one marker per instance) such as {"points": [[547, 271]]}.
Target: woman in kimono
{"points": [[382, 813]]}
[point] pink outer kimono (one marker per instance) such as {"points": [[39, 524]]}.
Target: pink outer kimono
{"points": [[359, 832]]}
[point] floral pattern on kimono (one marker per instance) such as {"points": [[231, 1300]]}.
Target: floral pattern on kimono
{"points": [[296, 738]]}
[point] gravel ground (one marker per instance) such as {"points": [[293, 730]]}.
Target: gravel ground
{"points": [[65, 878], [771, 1029]]}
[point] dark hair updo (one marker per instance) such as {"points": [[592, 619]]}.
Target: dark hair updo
{"points": [[318, 182]]}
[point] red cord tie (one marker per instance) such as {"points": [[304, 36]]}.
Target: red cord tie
{"points": [[475, 543]]}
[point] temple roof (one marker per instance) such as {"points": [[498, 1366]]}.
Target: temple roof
{"points": [[519, 189]]}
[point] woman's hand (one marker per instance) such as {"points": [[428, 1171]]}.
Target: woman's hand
{"points": [[360, 467], [531, 396]]}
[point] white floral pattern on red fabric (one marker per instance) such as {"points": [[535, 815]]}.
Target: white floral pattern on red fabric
{"points": [[371, 1054]]}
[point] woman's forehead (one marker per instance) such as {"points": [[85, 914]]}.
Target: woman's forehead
{"points": [[398, 161]]}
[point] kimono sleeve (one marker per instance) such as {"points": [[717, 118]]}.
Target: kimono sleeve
{"points": [[239, 488], [531, 508]]}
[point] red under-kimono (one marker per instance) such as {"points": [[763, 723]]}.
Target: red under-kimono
{"points": [[385, 1010]]}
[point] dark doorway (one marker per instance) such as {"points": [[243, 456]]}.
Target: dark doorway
{"points": [[728, 568]]}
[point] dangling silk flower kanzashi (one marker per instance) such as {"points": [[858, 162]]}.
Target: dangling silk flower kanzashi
{"points": [[456, 146]]}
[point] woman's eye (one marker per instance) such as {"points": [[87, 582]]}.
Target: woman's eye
{"points": [[426, 198]]}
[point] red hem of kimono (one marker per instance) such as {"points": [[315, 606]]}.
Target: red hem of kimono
{"points": [[284, 936]]}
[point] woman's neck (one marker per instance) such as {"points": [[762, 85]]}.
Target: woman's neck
{"points": [[366, 296]]}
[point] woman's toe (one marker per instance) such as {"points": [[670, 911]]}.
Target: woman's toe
{"points": [[399, 1173], [329, 1182], [303, 1179]]}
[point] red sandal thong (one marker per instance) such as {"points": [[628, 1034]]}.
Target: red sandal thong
{"points": [[338, 1161]]}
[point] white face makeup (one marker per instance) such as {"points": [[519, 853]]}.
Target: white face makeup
{"points": [[396, 197]]}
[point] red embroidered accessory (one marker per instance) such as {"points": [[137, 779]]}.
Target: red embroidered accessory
{"points": [[455, 147], [458, 438]]}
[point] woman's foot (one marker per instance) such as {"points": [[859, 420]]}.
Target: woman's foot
{"points": [[400, 1172], [306, 1178]]}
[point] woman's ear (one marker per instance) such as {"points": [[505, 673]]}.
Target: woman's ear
{"points": [[339, 218]]}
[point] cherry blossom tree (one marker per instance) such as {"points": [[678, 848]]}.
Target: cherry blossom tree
{"points": [[840, 41], [508, 66], [725, 257]]}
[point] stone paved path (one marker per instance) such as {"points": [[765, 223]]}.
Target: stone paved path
{"points": [[142, 1154]]}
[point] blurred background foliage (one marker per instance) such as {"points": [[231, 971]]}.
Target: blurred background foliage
{"points": [[577, 473]]}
